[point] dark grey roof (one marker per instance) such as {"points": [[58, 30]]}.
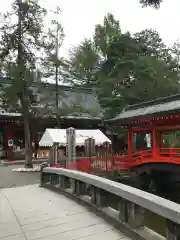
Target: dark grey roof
{"points": [[73, 101], [156, 107]]}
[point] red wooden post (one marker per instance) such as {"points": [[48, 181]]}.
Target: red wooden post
{"points": [[130, 142], [8, 135], [10, 154], [155, 147]]}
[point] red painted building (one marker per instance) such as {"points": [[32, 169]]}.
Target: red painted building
{"points": [[78, 107], [155, 118]]}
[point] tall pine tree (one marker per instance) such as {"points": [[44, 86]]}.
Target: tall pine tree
{"points": [[53, 63], [20, 42], [152, 3]]}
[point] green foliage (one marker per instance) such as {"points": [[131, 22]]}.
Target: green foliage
{"points": [[125, 69], [83, 62], [106, 34], [171, 139], [53, 41], [151, 3], [122, 68], [20, 40], [53, 63], [150, 42], [25, 49]]}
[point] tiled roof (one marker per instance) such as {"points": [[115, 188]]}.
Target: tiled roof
{"points": [[156, 107], [73, 101]]}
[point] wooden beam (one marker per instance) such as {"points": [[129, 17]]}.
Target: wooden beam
{"points": [[143, 129], [162, 128]]}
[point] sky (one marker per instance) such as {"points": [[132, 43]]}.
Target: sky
{"points": [[79, 18]]}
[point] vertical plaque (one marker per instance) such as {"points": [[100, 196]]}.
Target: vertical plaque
{"points": [[89, 147], [107, 155], [70, 146]]}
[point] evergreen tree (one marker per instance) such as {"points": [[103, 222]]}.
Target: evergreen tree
{"points": [[125, 69], [151, 3], [54, 64], [21, 39], [83, 63]]}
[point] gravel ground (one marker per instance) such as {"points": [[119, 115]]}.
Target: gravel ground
{"points": [[15, 179]]}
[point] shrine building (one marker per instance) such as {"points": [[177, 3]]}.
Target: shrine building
{"points": [[78, 108]]}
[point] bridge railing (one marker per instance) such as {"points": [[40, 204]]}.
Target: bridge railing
{"points": [[93, 164], [165, 155], [170, 155], [129, 208], [123, 163]]}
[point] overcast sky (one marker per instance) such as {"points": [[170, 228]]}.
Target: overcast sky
{"points": [[80, 16]]}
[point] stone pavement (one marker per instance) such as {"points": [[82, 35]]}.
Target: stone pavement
{"points": [[16, 179], [30, 212]]}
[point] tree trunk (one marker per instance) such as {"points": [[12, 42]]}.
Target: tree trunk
{"points": [[56, 76], [27, 133], [23, 96], [28, 148], [57, 99]]}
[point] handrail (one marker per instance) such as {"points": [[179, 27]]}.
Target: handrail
{"points": [[173, 154], [170, 149], [123, 162], [167, 155], [89, 164], [132, 200]]}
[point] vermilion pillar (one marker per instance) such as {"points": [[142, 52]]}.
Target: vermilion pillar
{"points": [[130, 142], [155, 144], [7, 136]]}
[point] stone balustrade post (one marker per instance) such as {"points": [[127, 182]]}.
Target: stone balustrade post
{"points": [[93, 195], [63, 182], [99, 197], [73, 185], [172, 230], [78, 187], [131, 214], [54, 179], [42, 175], [123, 210], [136, 216]]}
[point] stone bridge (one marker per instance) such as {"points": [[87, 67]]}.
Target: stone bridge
{"points": [[73, 205]]}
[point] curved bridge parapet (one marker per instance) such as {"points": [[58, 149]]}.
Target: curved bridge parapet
{"points": [[129, 213]]}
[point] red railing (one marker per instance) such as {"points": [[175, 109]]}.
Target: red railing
{"points": [[170, 155], [141, 157], [93, 164], [123, 163], [166, 155]]}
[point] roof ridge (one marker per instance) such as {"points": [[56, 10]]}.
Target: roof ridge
{"points": [[5, 80], [156, 101]]}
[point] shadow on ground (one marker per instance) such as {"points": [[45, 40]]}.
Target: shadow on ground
{"points": [[15, 179]]}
